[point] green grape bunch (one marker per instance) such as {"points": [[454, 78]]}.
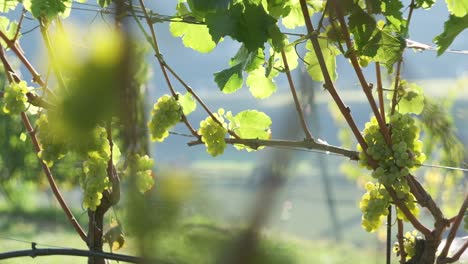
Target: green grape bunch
{"points": [[142, 168], [53, 148], [94, 180], [396, 161], [212, 134], [393, 165], [410, 244], [374, 206], [15, 98], [166, 113]]}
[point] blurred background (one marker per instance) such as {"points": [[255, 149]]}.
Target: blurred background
{"points": [[317, 206]]}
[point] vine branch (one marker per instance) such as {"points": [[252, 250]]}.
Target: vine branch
{"points": [[454, 228], [306, 144], [345, 111], [354, 62], [307, 132]]}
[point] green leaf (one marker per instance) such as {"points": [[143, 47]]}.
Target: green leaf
{"points": [[259, 85], [392, 11], [294, 18], [6, 5], [188, 103], [412, 100], [458, 8], [329, 54], [194, 36], [253, 25], [104, 3], [206, 6], [230, 80], [49, 9], [291, 56], [452, 27], [277, 8], [425, 3], [390, 48], [250, 124], [277, 38], [362, 25], [250, 60], [9, 29], [220, 24]]}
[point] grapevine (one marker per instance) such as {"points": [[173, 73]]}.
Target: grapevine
{"points": [[212, 134], [166, 113], [15, 98]]}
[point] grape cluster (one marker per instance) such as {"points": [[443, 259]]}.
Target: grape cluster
{"points": [[405, 153], [95, 180], [374, 206], [393, 165], [409, 244], [166, 113], [93, 147], [142, 167], [15, 98], [212, 134], [53, 147]]}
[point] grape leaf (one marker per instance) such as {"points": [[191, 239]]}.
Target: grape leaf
{"points": [[458, 8], [220, 24], [259, 85], [425, 3], [247, 23], [49, 8], [362, 25], [291, 57], [413, 99], [390, 48], [294, 18], [194, 36], [6, 5], [277, 8], [277, 38], [452, 27], [229, 80], [392, 11], [250, 124], [329, 54], [250, 60], [9, 29], [104, 3], [208, 6], [188, 103]]}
